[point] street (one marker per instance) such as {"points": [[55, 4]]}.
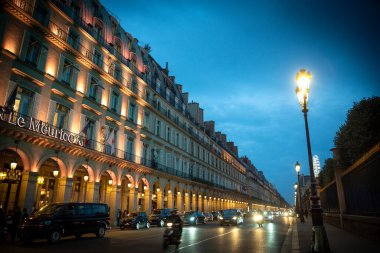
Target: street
{"points": [[210, 237]]}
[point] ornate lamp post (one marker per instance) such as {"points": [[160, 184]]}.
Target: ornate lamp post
{"points": [[298, 168], [320, 241]]}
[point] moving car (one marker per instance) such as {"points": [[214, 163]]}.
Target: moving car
{"points": [[194, 218], [268, 216], [62, 219], [135, 220], [159, 216], [230, 217]]}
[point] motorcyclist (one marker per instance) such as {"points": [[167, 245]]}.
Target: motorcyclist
{"points": [[177, 221]]}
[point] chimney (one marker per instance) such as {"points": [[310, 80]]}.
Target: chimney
{"points": [[179, 87], [224, 139], [185, 96], [210, 127], [230, 145], [236, 151]]}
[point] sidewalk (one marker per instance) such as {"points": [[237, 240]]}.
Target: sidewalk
{"points": [[340, 241]]}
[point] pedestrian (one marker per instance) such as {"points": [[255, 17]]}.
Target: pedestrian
{"points": [[16, 217], [125, 214]]}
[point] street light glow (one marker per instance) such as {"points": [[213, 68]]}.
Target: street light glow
{"points": [[298, 167]]}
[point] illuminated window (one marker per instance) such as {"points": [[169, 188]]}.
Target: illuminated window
{"points": [[132, 110], [73, 40], [61, 116], [33, 52], [146, 120], [97, 59], [129, 149], [68, 72], [158, 128], [23, 102], [117, 74], [94, 89], [115, 101]]}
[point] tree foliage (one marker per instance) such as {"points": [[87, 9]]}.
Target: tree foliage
{"points": [[326, 175], [361, 130]]}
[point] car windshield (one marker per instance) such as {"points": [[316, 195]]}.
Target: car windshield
{"points": [[229, 212], [48, 210], [189, 214]]}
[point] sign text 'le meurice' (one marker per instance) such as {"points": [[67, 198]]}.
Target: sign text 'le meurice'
{"points": [[39, 127]]}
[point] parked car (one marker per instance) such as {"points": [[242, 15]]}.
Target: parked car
{"points": [[135, 220], [194, 218], [268, 216], [208, 216], [62, 219], [215, 215], [159, 216], [230, 217]]}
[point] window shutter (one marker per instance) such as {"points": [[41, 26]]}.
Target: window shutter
{"points": [[51, 111]]}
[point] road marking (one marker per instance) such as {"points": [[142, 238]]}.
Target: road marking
{"points": [[203, 241]]}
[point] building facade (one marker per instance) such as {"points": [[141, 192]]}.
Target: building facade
{"points": [[88, 115]]}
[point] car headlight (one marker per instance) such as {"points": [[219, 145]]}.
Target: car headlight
{"points": [[169, 224], [220, 218], [270, 217], [258, 217], [234, 218], [192, 218]]}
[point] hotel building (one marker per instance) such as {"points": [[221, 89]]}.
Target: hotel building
{"points": [[88, 115]]}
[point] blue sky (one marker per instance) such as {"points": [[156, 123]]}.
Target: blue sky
{"points": [[239, 59]]}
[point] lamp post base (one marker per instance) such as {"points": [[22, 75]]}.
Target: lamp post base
{"points": [[320, 242]]}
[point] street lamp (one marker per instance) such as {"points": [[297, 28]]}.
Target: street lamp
{"points": [[320, 241], [298, 168]]}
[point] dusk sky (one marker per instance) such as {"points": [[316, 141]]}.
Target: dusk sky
{"points": [[239, 59]]}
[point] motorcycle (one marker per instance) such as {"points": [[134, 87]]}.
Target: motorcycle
{"points": [[172, 235], [259, 219]]}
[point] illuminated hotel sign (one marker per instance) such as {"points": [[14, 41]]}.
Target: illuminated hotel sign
{"points": [[39, 126]]}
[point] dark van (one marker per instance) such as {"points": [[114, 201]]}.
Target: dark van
{"points": [[62, 219]]}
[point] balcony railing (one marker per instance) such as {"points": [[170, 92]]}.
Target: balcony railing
{"points": [[10, 116]]}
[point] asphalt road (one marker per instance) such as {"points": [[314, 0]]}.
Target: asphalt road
{"points": [[208, 238]]}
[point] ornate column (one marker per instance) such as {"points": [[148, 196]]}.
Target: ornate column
{"points": [[199, 203], [91, 192], [187, 202], [114, 202], [179, 202], [28, 187], [147, 201], [194, 202], [133, 194], [170, 199], [65, 186], [160, 202]]}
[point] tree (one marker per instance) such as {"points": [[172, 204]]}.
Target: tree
{"points": [[360, 132], [327, 173]]}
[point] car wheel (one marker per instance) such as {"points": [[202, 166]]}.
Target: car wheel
{"points": [[137, 226], [100, 232], [54, 236], [162, 223], [147, 225]]}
